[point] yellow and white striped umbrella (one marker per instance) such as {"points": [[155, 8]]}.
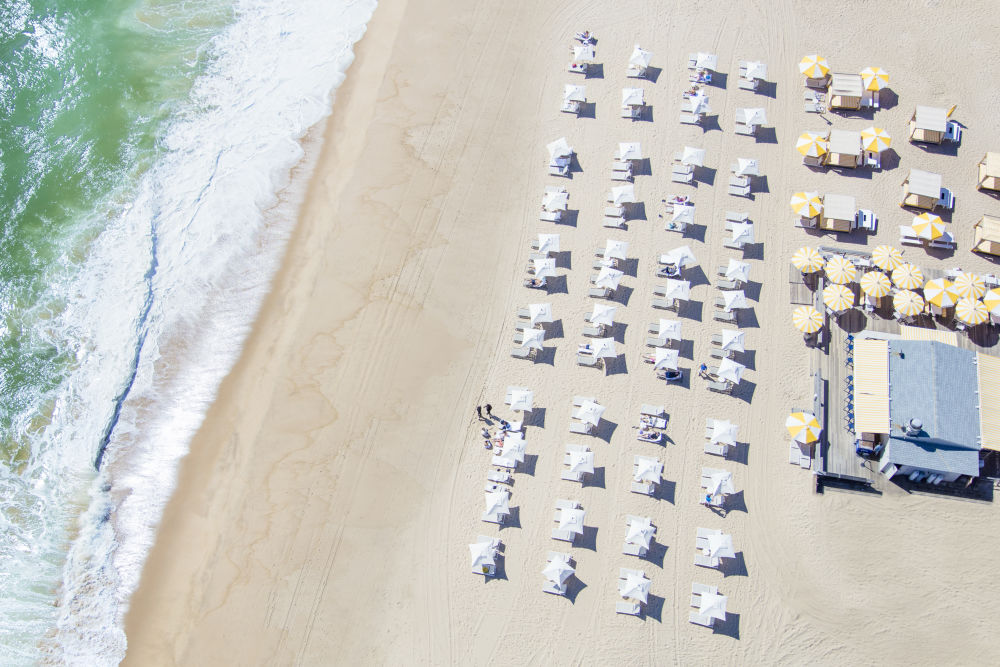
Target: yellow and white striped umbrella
{"points": [[814, 66], [875, 283], [941, 293], [969, 285], [874, 78], [808, 260], [887, 257], [840, 270], [992, 300], [803, 426], [806, 204], [807, 319], [928, 226], [971, 311], [811, 144], [908, 276], [907, 303], [875, 139], [838, 297]]}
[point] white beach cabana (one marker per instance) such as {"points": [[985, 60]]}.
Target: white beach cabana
{"points": [[922, 189], [989, 172], [928, 124], [844, 149], [838, 214], [846, 90]]}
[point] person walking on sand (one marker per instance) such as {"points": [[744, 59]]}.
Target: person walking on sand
{"points": [[489, 410], [703, 370], [479, 411]]}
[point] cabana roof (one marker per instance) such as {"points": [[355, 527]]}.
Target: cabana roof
{"points": [[924, 183], [933, 119], [839, 207], [845, 142], [846, 85]]}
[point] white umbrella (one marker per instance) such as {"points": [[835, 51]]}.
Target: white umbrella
{"points": [[572, 520], [615, 249], [581, 462], [730, 371], [698, 104], [640, 57], [721, 483], [623, 194], [742, 232], [573, 92], [608, 277], [713, 605], [683, 213], [747, 167], [633, 97], [589, 412], [640, 532], [629, 150], [694, 157], [738, 271], [545, 268], [734, 299], [497, 502], [666, 359], [756, 70], [649, 470], [559, 148], [583, 53], [677, 289], [558, 570], [539, 312], [720, 545], [706, 61], [670, 329], [533, 338], [732, 340], [635, 587], [514, 446], [548, 243], [604, 347], [555, 199], [724, 431], [681, 257], [482, 554], [755, 116], [603, 314], [521, 399]]}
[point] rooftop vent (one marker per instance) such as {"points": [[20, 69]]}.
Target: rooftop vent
{"points": [[914, 427]]}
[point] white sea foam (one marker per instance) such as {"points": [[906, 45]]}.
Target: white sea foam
{"points": [[213, 216]]}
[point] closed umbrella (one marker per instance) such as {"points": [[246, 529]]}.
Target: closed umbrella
{"points": [[939, 292], [887, 257], [874, 78], [807, 319], [803, 427], [908, 303], [876, 284], [814, 66], [971, 311], [730, 371], [806, 204], [539, 312], [810, 144], [838, 297], [908, 277], [875, 139], [841, 270], [969, 285], [666, 359], [808, 260]]}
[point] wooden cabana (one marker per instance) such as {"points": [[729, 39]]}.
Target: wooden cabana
{"points": [[845, 91], [838, 213], [845, 149], [922, 189], [928, 124], [989, 172], [987, 235]]}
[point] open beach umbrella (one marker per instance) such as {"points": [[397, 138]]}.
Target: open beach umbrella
{"points": [[713, 605], [539, 312], [721, 483], [604, 347], [559, 148], [521, 399], [640, 57], [734, 299], [806, 204], [545, 268], [706, 61], [572, 520], [928, 226], [887, 257], [753, 116], [623, 194], [497, 502], [742, 233], [589, 412], [548, 243], [670, 329], [615, 249], [838, 297], [629, 150], [533, 338], [730, 371], [874, 78], [875, 139], [514, 446], [814, 66], [603, 314], [907, 303], [482, 554], [697, 103], [841, 270], [555, 199], [558, 570], [633, 97], [608, 277], [807, 319], [810, 144], [738, 271], [876, 284], [803, 427], [677, 289], [732, 340], [720, 545], [581, 462], [635, 588], [584, 54], [940, 292], [992, 301], [680, 257], [648, 470], [756, 70], [640, 532], [907, 276], [694, 157], [665, 359], [971, 311], [969, 285], [724, 431], [746, 166], [683, 213], [574, 92]]}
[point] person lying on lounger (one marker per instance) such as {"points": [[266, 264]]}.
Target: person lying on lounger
{"points": [[535, 282]]}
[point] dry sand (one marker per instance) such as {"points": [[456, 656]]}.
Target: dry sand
{"points": [[323, 514]]}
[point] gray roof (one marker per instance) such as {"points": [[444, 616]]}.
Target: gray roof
{"points": [[924, 183], [839, 207], [934, 119], [937, 384], [845, 142], [847, 85]]}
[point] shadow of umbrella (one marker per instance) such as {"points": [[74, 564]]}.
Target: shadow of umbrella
{"points": [[852, 320]]}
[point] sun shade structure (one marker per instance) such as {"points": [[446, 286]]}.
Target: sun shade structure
{"points": [[558, 570], [746, 166], [623, 194], [482, 553], [634, 588], [846, 90], [875, 139], [629, 150], [992, 301], [539, 313], [615, 249], [733, 340], [589, 412], [841, 270], [713, 605], [969, 285], [928, 226], [548, 243], [730, 371], [928, 124], [633, 97], [875, 284], [874, 78], [987, 235], [807, 319], [908, 303], [756, 70], [514, 446], [677, 289], [555, 199], [887, 257], [989, 172], [742, 233], [738, 271], [640, 58], [806, 204], [751, 116], [694, 157], [939, 292], [838, 297], [697, 104], [845, 148], [497, 502], [603, 314], [724, 431], [640, 532], [559, 148], [681, 257], [582, 462], [670, 329], [811, 144], [604, 348], [533, 338], [648, 469], [839, 213], [545, 268], [808, 260], [720, 545], [665, 359], [734, 299], [814, 66], [608, 277], [584, 54], [922, 189], [572, 520], [720, 483], [971, 311], [908, 276], [521, 399], [803, 427]]}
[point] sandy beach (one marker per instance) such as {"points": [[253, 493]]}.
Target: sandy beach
{"points": [[324, 512]]}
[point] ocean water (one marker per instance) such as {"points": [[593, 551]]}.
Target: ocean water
{"points": [[145, 152]]}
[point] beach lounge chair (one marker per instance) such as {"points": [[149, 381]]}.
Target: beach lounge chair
{"points": [[720, 387], [582, 428], [747, 84], [589, 360], [550, 216], [616, 223], [652, 410], [522, 352], [630, 608], [559, 170], [614, 211], [499, 476], [720, 354], [599, 292], [723, 316], [665, 304], [689, 118], [594, 332], [746, 130], [645, 488], [655, 342], [622, 176], [718, 449], [701, 619], [727, 285], [735, 216], [580, 400], [702, 560]]}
